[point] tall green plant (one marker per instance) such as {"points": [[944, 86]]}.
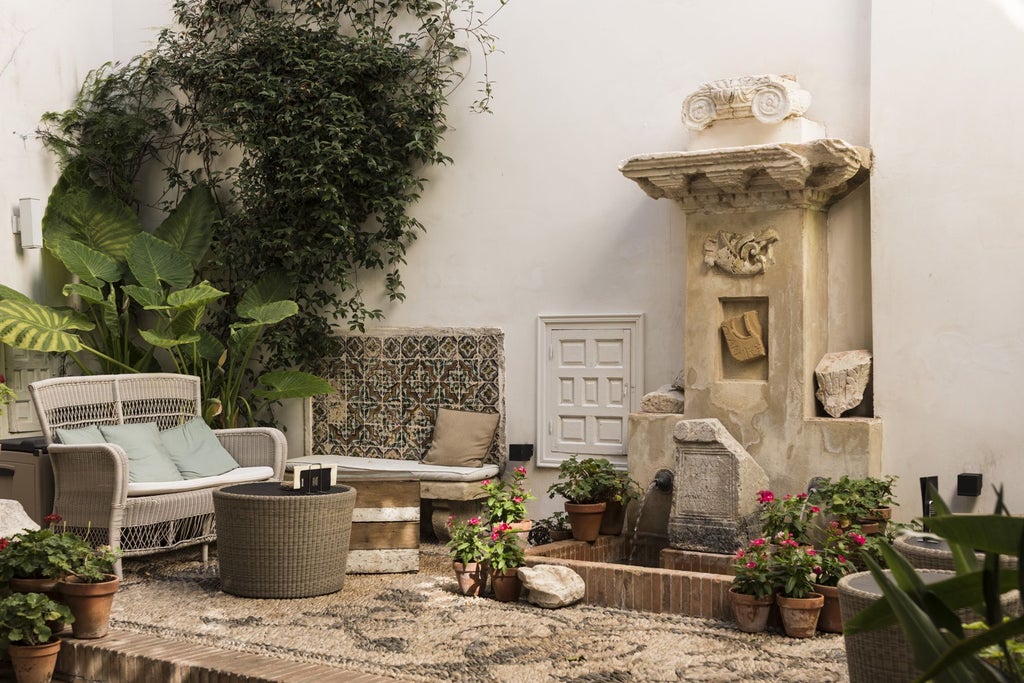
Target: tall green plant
{"points": [[927, 612]]}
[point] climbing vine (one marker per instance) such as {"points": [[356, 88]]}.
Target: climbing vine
{"points": [[313, 119]]}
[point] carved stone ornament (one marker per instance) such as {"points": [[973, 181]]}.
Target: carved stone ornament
{"points": [[741, 254], [842, 378], [769, 98], [754, 178], [743, 337]]}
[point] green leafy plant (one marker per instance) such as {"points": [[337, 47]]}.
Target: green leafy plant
{"points": [[849, 499], [623, 488], [752, 569], [506, 501], [504, 550], [836, 554], [926, 613], [26, 618], [467, 540], [6, 394], [787, 516], [792, 568], [34, 554], [584, 481]]}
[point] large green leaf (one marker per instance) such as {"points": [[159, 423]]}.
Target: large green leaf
{"points": [[269, 313], [85, 292], [211, 349], [90, 215], [291, 384], [40, 328], [273, 287], [14, 295], [194, 297], [145, 297], [243, 338], [153, 261], [187, 320], [985, 533], [1005, 631], [90, 265], [189, 227], [165, 341]]}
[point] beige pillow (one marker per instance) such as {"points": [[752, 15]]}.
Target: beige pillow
{"points": [[461, 439]]}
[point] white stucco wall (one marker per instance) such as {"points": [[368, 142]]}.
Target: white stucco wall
{"points": [[533, 217], [946, 93]]}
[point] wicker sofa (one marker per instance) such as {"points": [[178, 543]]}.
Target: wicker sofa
{"points": [[92, 491]]}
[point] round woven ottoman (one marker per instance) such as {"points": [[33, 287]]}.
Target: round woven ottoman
{"points": [[931, 552], [281, 543]]}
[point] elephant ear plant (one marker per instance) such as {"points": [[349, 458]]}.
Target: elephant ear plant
{"points": [[134, 292]]}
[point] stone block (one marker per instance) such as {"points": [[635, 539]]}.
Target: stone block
{"points": [[665, 399], [14, 519], [842, 378]]}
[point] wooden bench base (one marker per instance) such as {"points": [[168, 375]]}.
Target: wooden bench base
{"points": [[385, 525]]}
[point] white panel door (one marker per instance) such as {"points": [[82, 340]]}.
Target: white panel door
{"points": [[22, 368], [589, 385]]}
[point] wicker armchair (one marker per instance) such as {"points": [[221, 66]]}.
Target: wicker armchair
{"points": [[91, 490]]}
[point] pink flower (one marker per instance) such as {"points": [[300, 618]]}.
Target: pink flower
{"points": [[521, 470], [52, 518], [474, 521], [765, 496], [801, 496], [740, 554], [810, 551], [504, 526], [842, 560], [751, 565], [451, 520], [3, 541], [815, 509], [757, 542], [518, 499], [495, 535], [787, 496], [858, 539], [817, 570], [485, 482]]}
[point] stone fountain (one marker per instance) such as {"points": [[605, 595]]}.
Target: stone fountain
{"points": [[756, 188]]}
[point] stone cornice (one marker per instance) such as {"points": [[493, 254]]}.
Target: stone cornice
{"points": [[734, 179]]}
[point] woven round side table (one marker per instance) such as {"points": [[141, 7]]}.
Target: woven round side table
{"points": [[931, 552], [280, 543]]}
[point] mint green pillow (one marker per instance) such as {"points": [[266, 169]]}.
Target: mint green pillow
{"points": [[196, 451], [90, 434], [148, 460]]}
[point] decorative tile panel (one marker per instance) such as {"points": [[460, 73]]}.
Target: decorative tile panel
{"points": [[391, 381]]}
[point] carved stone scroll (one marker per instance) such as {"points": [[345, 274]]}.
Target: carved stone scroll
{"points": [[842, 378], [743, 337], [741, 254], [769, 98]]}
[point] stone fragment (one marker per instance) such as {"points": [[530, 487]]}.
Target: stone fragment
{"points": [[14, 519], [743, 337], [551, 586], [666, 399], [842, 378]]}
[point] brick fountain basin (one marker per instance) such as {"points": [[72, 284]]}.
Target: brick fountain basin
{"points": [[683, 582]]}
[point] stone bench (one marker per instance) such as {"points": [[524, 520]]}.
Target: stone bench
{"points": [[444, 490]]}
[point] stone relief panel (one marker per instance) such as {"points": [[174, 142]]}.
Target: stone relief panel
{"points": [[842, 379], [741, 254], [769, 98], [743, 337]]}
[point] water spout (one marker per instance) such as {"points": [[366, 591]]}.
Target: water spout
{"points": [[663, 480]]}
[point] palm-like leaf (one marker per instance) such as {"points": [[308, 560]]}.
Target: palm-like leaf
{"points": [[153, 261], [291, 384], [189, 226], [985, 533], [40, 328]]}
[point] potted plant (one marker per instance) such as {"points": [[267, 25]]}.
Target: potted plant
{"points": [[89, 585], [623, 489], [33, 561], [26, 621], [751, 593], [506, 501], [845, 499], [6, 394], [469, 554], [504, 557], [879, 499], [835, 560], [556, 526], [790, 516], [583, 484], [793, 573]]}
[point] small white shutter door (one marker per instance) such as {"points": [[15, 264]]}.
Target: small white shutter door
{"points": [[589, 392]]}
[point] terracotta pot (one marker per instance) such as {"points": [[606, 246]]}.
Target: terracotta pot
{"points": [[830, 620], [507, 585], [750, 612], [90, 603], [560, 535], [472, 577], [34, 663], [869, 527], [613, 519], [800, 615], [585, 520]]}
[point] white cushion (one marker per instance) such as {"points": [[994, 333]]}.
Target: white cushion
{"points": [[240, 475], [419, 470]]}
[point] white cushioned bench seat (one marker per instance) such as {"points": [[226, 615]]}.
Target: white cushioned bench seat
{"points": [[239, 475], [419, 470]]}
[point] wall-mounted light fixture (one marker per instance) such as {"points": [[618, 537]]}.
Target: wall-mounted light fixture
{"points": [[28, 221]]}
